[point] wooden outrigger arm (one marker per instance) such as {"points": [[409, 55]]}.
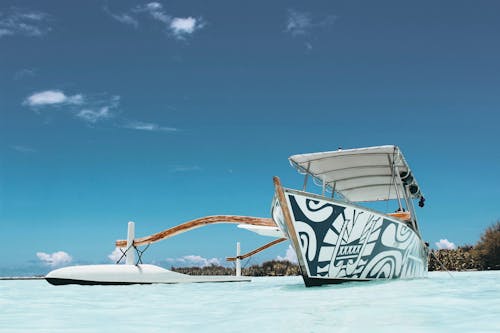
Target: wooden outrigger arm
{"points": [[257, 250], [203, 221]]}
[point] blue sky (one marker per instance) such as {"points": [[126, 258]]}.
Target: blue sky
{"points": [[161, 112]]}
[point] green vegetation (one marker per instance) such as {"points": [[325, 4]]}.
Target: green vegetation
{"points": [[207, 270], [483, 256], [273, 268], [461, 259], [268, 268], [488, 247]]}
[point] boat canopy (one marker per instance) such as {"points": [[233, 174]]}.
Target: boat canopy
{"points": [[363, 174]]}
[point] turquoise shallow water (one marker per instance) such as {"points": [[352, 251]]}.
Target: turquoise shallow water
{"points": [[469, 302]]}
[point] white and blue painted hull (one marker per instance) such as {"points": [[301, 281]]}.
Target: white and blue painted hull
{"points": [[338, 242]]}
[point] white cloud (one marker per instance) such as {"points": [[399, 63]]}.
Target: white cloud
{"points": [[290, 255], [24, 73], [181, 27], [301, 23], [92, 116], [5, 32], [75, 99], [98, 109], [23, 149], [125, 18], [149, 8], [122, 17], [155, 10], [90, 109], [445, 244], [160, 16], [36, 16], [144, 126], [116, 254], [55, 259], [154, 6], [194, 260], [51, 97], [24, 23], [178, 27], [298, 23]]}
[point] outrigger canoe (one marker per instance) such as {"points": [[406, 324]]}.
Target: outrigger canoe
{"points": [[335, 238]]}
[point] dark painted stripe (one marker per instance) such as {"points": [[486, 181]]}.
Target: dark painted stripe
{"points": [[316, 282], [60, 282]]}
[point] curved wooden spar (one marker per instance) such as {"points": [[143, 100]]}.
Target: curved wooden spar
{"points": [[203, 221], [257, 250]]}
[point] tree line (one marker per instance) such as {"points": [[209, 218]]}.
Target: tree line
{"points": [[484, 255], [267, 268]]}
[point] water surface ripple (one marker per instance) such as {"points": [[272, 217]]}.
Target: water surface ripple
{"points": [[468, 302]]}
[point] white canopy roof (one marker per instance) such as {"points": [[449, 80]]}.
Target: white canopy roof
{"points": [[364, 174]]}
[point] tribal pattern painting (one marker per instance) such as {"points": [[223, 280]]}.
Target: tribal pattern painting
{"points": [[340, 241]]}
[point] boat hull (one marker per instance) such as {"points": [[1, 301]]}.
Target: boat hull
{"points": [[128, 274], [337, 242]]}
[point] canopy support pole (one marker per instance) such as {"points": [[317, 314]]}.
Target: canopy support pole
{"points": [[306, 176], [411, 208], [395, 171], [407, 197], [238, 260]]}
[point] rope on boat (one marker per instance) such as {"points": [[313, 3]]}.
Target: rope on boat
{"points": [[140, 253], [245, 265], [247, 262], [124, 253], [441, 264], [137, 250]]}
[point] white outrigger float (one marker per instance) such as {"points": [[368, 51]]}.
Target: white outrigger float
{"points": [[335, 239], [135, 272]]}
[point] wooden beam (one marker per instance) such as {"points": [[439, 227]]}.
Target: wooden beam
{"points": [[203, 221], [257, 250], [292, 234], [286, 212]]}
